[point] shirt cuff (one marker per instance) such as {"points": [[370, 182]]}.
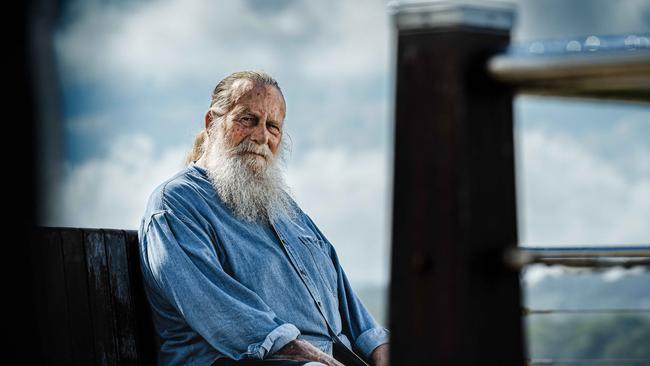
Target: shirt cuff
{"points": [[276, 339], [371, 339]]}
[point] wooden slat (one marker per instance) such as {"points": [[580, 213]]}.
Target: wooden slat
{"points": [[123, 304], [81, 329], [91, 307], [38, 272], [51, 304], [145, 337], [24, 319], [100, 298]]}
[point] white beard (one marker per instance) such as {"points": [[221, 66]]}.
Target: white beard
{"points": [[252, 187]]}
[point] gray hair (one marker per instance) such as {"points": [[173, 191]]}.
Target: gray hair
{"points": [[224, 97]]}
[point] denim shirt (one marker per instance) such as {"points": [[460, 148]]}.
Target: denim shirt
{"points": [[219, 286]]}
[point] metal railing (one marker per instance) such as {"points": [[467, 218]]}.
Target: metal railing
{"points": [[456, 77], [582, 257], [613, 67], [594, 66], [571, 256]]}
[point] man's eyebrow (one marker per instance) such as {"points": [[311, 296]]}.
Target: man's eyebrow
{"points": [[246, 110]]}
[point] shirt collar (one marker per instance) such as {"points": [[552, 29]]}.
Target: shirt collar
{"points": [[198, 168]]}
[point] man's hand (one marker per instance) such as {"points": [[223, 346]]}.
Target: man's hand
{"points": [[380, 356], [302, 350]]}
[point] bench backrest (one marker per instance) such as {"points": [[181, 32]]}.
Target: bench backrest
{"points": [[90, 303]]}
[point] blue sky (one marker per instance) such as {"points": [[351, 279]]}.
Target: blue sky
{"points": [[136, 79]]}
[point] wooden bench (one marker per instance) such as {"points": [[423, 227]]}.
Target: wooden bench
{"points": [[91, 307]]}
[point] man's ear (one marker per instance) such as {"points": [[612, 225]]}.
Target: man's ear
{"points": [[208, 119]]}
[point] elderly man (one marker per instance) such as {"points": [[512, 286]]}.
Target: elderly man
{"points": [[235, 272]]}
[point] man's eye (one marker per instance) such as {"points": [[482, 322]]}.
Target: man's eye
{"points": [[248, 120]]}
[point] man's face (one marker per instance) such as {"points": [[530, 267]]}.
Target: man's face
{"points": [[255, 124], [243, 158]]}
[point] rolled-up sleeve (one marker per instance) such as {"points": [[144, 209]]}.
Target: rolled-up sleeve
{"points": [[371, 339], [182, 264]]}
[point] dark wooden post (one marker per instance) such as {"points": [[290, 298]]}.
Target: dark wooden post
{"points": [[452, 300], [21, 167]]}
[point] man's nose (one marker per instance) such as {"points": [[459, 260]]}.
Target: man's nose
{"points": [[260, 134]]}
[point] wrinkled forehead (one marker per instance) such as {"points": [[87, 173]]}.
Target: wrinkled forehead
{"points": [[258, 99]]}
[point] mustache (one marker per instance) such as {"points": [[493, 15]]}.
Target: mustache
{"points": [[247, 147]]}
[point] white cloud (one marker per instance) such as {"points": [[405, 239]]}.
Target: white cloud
{"points": [[357, 43], [94, 123], [571, 195], [618, 273], [625, 144], [112, 191], [170, 41], [154, 63], [347, 195], [534, 274]]}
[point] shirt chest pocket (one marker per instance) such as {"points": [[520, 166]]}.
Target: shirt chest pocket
{"points": [[319, 257]]}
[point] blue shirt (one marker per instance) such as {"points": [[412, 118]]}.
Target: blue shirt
{"points": [[220, 286]]}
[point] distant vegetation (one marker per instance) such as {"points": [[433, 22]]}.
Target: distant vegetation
{"points": [[578, 336], [589, 337], [581, 336], [587, 289]]}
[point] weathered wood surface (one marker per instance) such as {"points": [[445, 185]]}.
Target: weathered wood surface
{"points": [[453, 301], [90, 304]]}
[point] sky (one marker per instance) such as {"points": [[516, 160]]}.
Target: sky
{"points": [[136, 78]]}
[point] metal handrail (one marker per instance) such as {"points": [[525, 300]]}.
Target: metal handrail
{"points": [[611, 67], [600, 362], [589, 257], [527, 311]]}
